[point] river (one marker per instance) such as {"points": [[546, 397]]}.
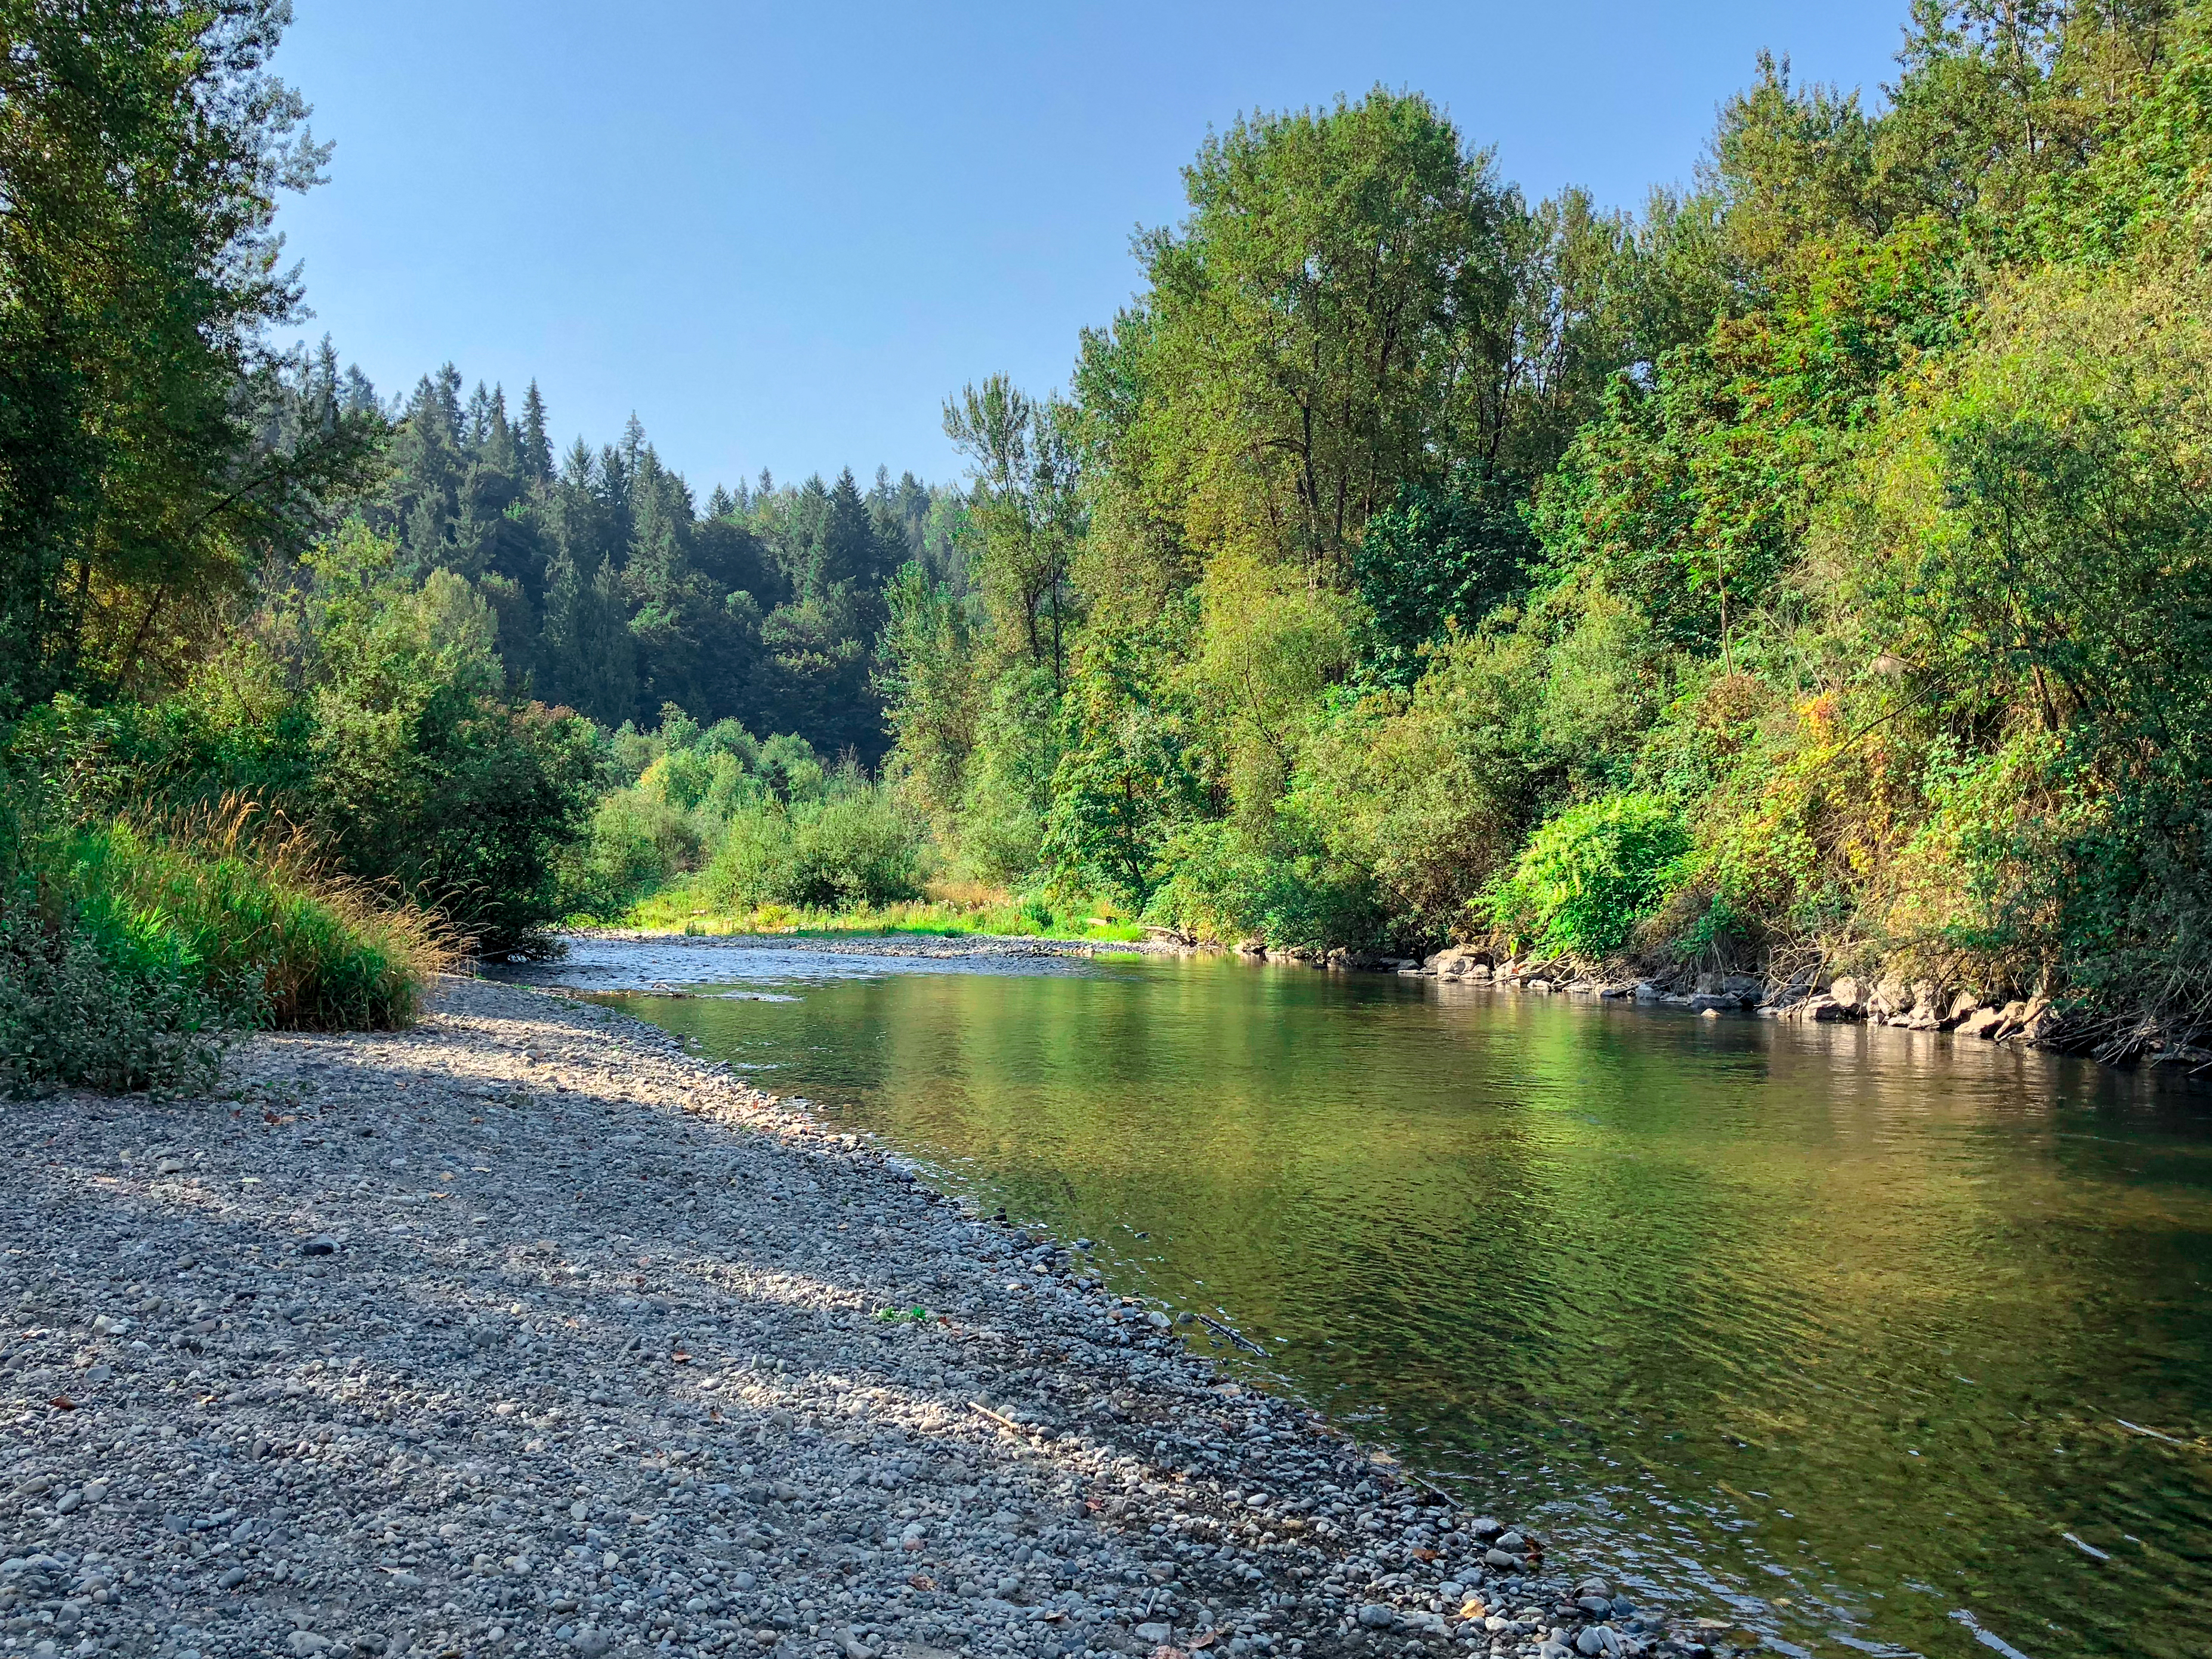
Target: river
{"points": [[1874, 1341]]}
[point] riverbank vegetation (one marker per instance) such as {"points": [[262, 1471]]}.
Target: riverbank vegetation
{"points": [[1804, 572], [1808, 570]]}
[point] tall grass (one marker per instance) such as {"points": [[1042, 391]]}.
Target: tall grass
{"points": [[271, 929], [129, 950]]}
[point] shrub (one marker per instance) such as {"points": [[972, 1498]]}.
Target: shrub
{"points": [[854, 846], [112, 1012], [129, 950], [1587, 878], [636, 841], [1225, 884]]}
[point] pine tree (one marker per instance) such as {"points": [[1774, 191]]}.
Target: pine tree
{"points": [[536, 444], [498, 449], [475, 424]]}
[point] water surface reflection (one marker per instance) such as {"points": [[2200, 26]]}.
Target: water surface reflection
{"points": [[1894, 1343]]}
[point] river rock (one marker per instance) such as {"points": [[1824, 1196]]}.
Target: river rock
{"points": [[1981, 1023], [1458, 962]]}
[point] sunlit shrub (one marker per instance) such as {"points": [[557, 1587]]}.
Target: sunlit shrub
{"points": [[1588, 877], [853, 847]]}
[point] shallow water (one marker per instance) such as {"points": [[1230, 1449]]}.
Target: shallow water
{"points": [[1875, 1341]]}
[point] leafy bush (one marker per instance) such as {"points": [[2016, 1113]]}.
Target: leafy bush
{"points": [[738, 822], [1588, 877], [636, 841], [1225, 886], [369, 709], [853, 847], [110, 1010], [1430, 560]]}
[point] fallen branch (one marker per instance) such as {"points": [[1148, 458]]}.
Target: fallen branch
{"points": [[1242, 1341], [1007, 1423]]}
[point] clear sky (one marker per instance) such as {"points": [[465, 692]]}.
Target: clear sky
{"points": [[780, 234]]}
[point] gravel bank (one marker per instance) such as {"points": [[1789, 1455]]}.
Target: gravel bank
{"points": [[526, 1332]]}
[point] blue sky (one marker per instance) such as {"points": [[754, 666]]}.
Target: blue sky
{"points": [[781, 234]]}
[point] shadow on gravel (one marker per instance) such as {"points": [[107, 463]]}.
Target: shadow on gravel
{"points": [[584, 1369]]}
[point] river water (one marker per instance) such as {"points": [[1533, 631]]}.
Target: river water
{"points": [[1874, 1341]]}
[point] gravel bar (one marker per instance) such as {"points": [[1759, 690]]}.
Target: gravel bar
{"points": [[526, 1332]]}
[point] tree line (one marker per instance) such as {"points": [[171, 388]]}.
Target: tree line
{"points": [[616, 593], [1806, 571]]}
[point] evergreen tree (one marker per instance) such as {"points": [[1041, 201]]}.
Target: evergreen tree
{"points": [[536, 443], [590, 660]]}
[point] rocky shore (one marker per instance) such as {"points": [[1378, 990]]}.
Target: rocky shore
{"points": [[1918, 1005], [526, 1332]]}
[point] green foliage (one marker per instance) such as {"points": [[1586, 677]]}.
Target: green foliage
{"points": [[1121, 785], [1587, 878], [928, 677], [258, 927], [636, 841], [80, 1007], [1284, 888], [131, 947], [1429, 561], [851, 848], [425, 774], [616, 593], [152, 450], [1024, 516], [2030, 555], [724, 824]]}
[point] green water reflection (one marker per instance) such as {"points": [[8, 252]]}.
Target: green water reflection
{"points": [[1840, 1330]]}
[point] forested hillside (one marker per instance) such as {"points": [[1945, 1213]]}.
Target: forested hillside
{"points": [[1808, 571], [616, 593]]}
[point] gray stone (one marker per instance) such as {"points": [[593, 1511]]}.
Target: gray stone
{"points": [[1376, 1616]]}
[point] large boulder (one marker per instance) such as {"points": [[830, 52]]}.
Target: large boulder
{"points": [[1891, 999], [1459, 962], [1981, 1023]]}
